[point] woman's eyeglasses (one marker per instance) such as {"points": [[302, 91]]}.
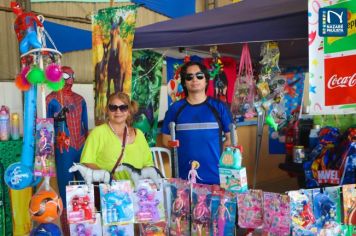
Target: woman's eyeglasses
{"points": [[200, 75], [122, 108]]}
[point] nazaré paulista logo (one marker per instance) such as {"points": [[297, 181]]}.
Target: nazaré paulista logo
{"points": [[332, 22]]}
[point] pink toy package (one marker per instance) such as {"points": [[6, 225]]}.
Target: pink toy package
{"points": [[250, 209], [180, 207], [276, 210], [44, 155], [201, 215], [154, 229], [148, 202], [80, 203], [116, 203], [87, 228]]}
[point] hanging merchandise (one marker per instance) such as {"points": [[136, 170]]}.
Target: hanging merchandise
{"points": [[80, 204], [349, 201], [244, 89], [250, 209], [44, 151], [146, 87], [148, 203], [87, 228], [223, 213], [180, 207], [276, 213], [113, 213], [113, 32]]}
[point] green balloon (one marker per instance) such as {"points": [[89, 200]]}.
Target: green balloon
{"points": [[271, 123], [36, 76], [55, 86]]}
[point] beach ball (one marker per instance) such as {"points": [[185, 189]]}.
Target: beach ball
{"points": [[45, 206], [47, 229]]}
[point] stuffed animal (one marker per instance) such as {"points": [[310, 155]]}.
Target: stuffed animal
{"points": [[150, 172], [91, 175]]}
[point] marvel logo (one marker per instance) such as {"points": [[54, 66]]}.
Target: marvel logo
{"points": [[342, 81]]}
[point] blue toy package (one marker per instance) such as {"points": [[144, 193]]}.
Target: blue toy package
{"points": [[223, 211], [110, 196], [118, 230], [327, 211]]}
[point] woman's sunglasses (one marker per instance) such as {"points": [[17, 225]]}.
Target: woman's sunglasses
{"points": [[200, 75], [114, 108]]}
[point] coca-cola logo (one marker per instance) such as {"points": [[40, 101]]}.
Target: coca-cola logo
{"points": [[342, 81]]}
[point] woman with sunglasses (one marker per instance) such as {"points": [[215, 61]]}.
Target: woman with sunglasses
{"points": [[200, 124], [116, 141]]}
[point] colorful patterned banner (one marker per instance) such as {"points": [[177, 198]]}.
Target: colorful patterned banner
{"points": [[113, 34], [329, 63], [146, 87]]}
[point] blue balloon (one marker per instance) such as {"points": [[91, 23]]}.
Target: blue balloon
{"points": [[46, 229], [18, 176]]}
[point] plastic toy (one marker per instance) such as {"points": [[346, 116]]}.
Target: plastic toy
{"points": [[91, 175], [193, 173], [147, 206], [146, 173], [201, 214], [46, 229]]}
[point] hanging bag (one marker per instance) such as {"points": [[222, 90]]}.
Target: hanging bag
{"points": [[243, 97]]}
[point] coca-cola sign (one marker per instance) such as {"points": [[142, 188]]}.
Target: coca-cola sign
{"points": [[340, 80]]}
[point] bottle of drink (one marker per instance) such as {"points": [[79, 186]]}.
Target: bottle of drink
{"points": [[15, 126], [4, 123], [314, 136]]}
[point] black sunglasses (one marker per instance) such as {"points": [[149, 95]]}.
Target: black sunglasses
{"points": [[200, 75], [114, 108]]}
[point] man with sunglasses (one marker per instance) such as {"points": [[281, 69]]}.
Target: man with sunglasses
{"points": [[69, 111], [201, 122]]}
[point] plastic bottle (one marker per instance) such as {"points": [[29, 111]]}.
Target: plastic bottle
{"points": [[15, 126], [314, 136], [4, 123]]}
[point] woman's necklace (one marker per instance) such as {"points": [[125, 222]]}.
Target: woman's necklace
{"points": [[116, 133]]}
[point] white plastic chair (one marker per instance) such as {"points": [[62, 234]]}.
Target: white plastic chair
{"points": [[158, 158]]}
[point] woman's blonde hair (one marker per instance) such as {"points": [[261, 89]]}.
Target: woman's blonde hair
{"points": [[133, 105]]}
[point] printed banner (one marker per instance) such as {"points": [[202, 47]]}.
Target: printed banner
{"points": [[146, 87], [329, 51], [113, 34], [292, 101]]}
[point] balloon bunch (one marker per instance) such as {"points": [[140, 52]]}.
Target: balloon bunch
{"points": [[31, 75]]}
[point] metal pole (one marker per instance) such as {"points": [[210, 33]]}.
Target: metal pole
{"points": [[172, 128], [259, 135]]}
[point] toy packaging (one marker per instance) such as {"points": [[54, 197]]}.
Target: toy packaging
{"points": [[200, 209], [233, 180], [148, 202], [80, 203], [180, 207], [301, 212], [116, 202], [44, 158], [223, 211], [276, 214], [118, 230], [250, 209], [327, 211], [349, 194], [87, 228], [154, 229]]}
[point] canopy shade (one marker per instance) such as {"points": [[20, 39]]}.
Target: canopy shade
{"points": [[246, 21]]}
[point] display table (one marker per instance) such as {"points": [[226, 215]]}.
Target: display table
{"points": [[10, 152]]}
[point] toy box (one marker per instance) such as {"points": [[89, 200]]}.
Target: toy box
{"points": [[80, 203], [233, 180]]}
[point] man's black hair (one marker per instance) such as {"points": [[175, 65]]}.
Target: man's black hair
{"points": [[183, 74]]}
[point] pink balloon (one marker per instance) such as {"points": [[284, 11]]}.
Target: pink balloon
{"points": [[53, 72]]}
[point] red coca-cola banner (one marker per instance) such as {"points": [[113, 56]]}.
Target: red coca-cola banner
{"points": [[340, 80]]}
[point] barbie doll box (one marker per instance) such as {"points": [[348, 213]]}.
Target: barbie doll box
{"points": [[234, 180]]}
